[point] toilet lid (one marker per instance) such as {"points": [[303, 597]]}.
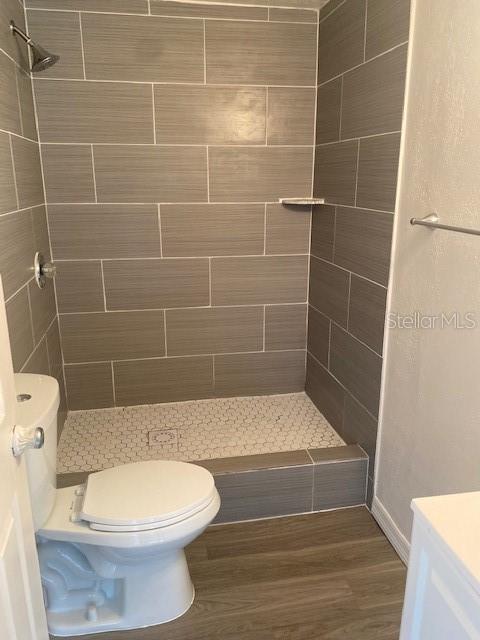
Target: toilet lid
{"points": [[143, 493]]}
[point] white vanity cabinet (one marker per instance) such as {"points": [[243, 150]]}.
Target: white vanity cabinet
{"points": [[442, 599]]}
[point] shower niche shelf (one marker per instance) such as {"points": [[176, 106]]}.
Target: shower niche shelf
{"points": [[301, 202]]}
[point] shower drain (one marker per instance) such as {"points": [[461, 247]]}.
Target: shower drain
{"points": [[166, 438]]}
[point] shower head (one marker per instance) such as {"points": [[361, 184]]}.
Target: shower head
{"points": [[41, 58]]}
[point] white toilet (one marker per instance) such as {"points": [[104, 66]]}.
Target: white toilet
{"points": [[111, 551]]}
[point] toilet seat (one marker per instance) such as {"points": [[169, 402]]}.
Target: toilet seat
{"points": [[144, 495]]}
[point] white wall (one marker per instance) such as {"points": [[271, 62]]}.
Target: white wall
{"points": [[430, 413]]}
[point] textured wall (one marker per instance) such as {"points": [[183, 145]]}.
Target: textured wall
{"points": [[166, 140], [31, 312], [361, 76]]}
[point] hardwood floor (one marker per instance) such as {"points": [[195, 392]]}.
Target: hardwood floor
{"points": [[324, 576]]}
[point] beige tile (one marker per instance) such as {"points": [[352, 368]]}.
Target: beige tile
{"points": [[28, 173], [19, 328], [209, 115], [339, 484], [366, 316], [212, 229], [68, 173], [163, 380], [94, 112], [259, 174], [16, 251], [328, 111], [387, 25], [323, 229], [156, 284], [90, 337], [79, 286], [54, 348], [13, 45], [292, 15], [285, 327], [214, 330], [360, 427], [27, 109], [9, 103], [373, 95], [8, 198], [114, 6], [329, 290], [259, 280], [260, 53], [40, 230], [38, 361], [318, 335], [325, 392], [152, 49], [238, 464], [291, 115], [134, 173], [89, 386], [43, 306], [196, 10], [104, 231], [377, 172], [336, 172], [59, 33], [287, 229], [248, 374]]}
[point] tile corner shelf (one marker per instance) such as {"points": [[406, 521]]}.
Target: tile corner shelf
{"points": [[301, 201]]}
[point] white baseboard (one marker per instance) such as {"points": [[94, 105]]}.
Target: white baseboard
{"points": [[390, 529]]}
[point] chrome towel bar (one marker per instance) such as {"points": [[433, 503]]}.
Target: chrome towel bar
{"points": [[432, 221]]}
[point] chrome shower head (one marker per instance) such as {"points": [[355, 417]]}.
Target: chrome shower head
{"points": [[41, 58]]}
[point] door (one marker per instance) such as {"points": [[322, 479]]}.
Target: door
{"points": [[22, 614]]}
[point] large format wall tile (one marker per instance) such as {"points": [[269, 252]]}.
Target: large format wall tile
{"points": [[89, 386], [27, 107], [260, 53], [277, 14], [287, 229], [388, 22], [114, 6], [291, 115], [9, 112], [16, 251], [326, 392], [43, 306], [285, 327], [329, 99], [323, 230], [318, 335], [28, 173], [360, 427], [8, 198], [19, 328], [143, 48], [366, 316], [68, 173], [336, 172], [377, 172], [94, 112], [329, 290], [79, 286], [136, 173], [13, 46], [197, 10]]}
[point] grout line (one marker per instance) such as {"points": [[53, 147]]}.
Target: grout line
{"points": [[266, 116], [169, 145], [255, 255], [14, 171], [219, 306], [113, 384], [149, 7], [31, 317], [81, 45], [330, 12], [328, 144], [154, 116], [17, 135], [181, 84], [365, 31], [93, 174], [19, 102], [160, 231], [103, 287]]}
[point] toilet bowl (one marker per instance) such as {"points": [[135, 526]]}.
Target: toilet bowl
{"points": [[111, 551]]}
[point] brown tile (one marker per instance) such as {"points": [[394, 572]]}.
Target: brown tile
{"points": [[356, 367], [264, 493], [259, 280], [362, 242], [13, 45], [131, 173], [341, 40], [38, 361], [336, 172], [343, 453], [287, 229], [89, 337], [163, 380], [373, 95], [237, 464], [248, 374], [366, 317], [318, 335], [325, 392], [114, 6], [339, 484], [329, 290], [71, 479], [259, 174], [120, 231], [329, 100], [212, 229], [194, 10], [59, 32], [292, 15], [8, 198], [40, 230], [27, 109], [28, 173], [16, 251], [54, 348], [79, 286], [152, 49], [285, 327], [19, 328], [327, 8], [209, 115], [9, 103], [291, 115], [260, 53], [43, 306], [89, 386], [323, 231], [98, 112], [214, 330], [156, 284], [360, 427], [68, 173], [377, 172], [388, 22]]}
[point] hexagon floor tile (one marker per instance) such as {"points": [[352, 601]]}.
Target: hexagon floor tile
{"points": [[193, 430]]}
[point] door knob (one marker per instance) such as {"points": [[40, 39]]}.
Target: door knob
{"points": [[26, 438]]}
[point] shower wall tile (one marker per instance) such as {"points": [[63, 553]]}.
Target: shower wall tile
{"points": [[329, 290], [113, 6], [68, 173], [323, 231], [8, 198], [291, 115], [54, 347], [27, 108], [285, 327], [212, 229], [10, 117], [360, 427], [17, 248], [79, 286], [20, 328], [88, 231], [151, 49], [94, 112], [90, 337], [366, 316], [89, 386], [377, 172], [41, 237], [326, 392], [318, 335], [14, 47], [328, 111], [388, 23], [43, 308], [38, 361], [287, 229], [28, 172], [292, 15], [191, 10], [341, 484], [336, 172]]}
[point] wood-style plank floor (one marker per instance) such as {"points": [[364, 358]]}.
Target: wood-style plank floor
{"points": [[326, 576]]}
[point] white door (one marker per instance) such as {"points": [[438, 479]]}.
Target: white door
{"points": [[22, 614]]}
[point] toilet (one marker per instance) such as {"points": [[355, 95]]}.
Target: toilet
{"points": [[111, 550]]}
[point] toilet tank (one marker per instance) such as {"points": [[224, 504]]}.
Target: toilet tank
{"points": [[38, 399]]}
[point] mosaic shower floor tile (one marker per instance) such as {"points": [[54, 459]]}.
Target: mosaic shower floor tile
{"points": [[193, 430]]}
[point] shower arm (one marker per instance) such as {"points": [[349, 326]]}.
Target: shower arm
{"points": [[22, 34]]}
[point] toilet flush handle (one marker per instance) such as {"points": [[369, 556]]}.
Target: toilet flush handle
{"points": [[26, 438]]}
